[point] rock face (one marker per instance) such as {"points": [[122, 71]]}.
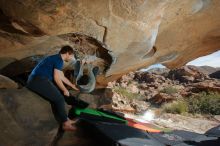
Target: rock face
{"points": [[19, 70], [6, 83], [133, 34], [187, 74], [26, 119], [208, 86], [159, 88], [215, 75]]}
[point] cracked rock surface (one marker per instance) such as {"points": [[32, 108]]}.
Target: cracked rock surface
{"points": [[135, 33]]}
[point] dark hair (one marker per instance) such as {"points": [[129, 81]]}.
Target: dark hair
{"points": [[66, 49]]}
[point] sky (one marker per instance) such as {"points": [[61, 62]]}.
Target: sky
{"points": [[209, 60], [212, 60], [153, 66]]}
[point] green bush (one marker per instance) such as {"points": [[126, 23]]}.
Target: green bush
{"points": [[125, 93], [177, 107], [169, 90], [205, 103]]}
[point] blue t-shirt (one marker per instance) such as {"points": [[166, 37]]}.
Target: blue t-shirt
{"points": [[46, 67]]}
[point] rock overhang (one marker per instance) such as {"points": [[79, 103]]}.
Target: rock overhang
{"points": [[134, 34]]}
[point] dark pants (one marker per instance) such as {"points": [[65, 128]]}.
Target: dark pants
{"points": [[46, 88]]}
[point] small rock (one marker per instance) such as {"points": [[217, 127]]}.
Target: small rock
{"points": [[123, 85], [217, 117], [133, 88], [160, 98]]}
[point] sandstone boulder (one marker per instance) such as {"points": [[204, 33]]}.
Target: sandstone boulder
{"points": [[161, 98], [134, 34], [26, 119], [187, 74], [215, 75], [208, 85], [6, 83]]}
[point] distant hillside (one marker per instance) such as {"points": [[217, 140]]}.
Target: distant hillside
{"points": [[205, 69]]}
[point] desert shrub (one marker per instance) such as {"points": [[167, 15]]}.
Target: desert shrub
{"points": [[169, 90], [177, 107], [125, 93], [204, 103]]}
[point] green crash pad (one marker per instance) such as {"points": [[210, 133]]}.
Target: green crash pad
{"points": [[97, 114]]}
